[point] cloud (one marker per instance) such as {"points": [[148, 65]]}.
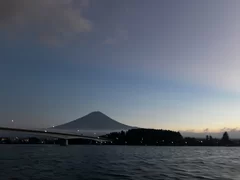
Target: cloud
{"points": [[47, 21], [230, 129], [119, 36], [189, 130], [206, 130], [233, 132]]}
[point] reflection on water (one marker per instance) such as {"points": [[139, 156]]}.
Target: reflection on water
{"points": [[22, 162]]}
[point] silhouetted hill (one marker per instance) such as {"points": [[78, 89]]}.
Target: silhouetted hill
{"points": [[94, 121], [146, 137]]}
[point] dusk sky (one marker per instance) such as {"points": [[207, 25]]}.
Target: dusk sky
{"points": [[157, 64]]}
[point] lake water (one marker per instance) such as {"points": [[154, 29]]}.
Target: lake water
{"points": [[48, 162]]}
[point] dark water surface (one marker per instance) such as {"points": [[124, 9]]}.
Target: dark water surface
{"points": [[23, 162]]}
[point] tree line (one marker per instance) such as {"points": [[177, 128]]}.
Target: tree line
{"points": [[165, 138], [141, 137]]}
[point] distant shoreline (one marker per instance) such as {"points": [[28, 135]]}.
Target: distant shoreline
{"points": [[135, 137]]}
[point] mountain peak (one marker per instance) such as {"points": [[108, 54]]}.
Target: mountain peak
{"points": [[96, 113], [95, 120]]}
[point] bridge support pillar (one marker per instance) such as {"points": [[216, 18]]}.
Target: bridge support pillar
{"points": [[64, 142]]}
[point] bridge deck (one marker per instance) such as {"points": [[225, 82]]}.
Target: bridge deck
{"points": [[53, 134]]}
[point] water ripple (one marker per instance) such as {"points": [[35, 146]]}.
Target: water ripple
{"points": [[23, 162]]}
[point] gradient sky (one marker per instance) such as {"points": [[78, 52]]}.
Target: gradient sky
{"points": [[158, 64]]}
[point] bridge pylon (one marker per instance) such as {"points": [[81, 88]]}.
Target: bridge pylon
{"points": [[63, 142]]}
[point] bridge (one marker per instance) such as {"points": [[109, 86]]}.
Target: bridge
{"points": [[60, 135]]}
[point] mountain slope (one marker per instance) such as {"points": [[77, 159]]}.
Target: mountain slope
{"points": [[94, 121]]}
